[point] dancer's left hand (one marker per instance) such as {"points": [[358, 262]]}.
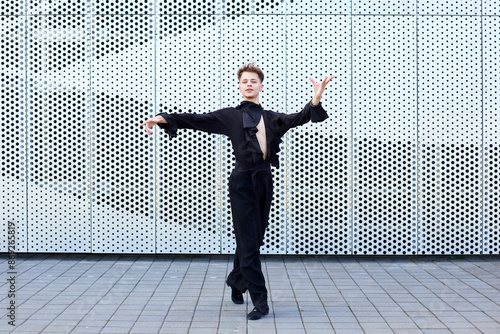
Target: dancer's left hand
{"points": [[319, 88]]}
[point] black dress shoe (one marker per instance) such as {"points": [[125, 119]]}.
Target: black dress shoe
{"points": [[258, 312], [236, 296]]}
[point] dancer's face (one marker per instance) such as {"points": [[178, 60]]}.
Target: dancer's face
{"points": [[250, 85]]}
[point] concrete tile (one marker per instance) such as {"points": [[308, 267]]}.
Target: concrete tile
{"points": [[120, 323], [349, 331], [114, 330], [428, 322], [317, 325], [483, 326], [286, 325], [465, 331], [86, 329], [206, 330], [346, 325], [227, 331], [145, 328], [292, 331], [378, 330], [370, 319], [58, 328], [402, 325], [436, 295], [28, 326], [202, 324], [489, 330], [178, 324]]}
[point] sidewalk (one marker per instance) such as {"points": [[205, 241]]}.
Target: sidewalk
{"points": [[91, 293]]}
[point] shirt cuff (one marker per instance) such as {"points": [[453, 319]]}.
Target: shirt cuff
{"points": [[318, 114], [170, 127]]}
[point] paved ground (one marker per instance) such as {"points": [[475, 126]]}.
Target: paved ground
{"points": [[91, 293]]}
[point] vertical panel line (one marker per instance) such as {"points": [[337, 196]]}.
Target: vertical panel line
{"points": [[89, 132], [26, 150], [220, 171], [483, 190], [287, 151], [155, 166], [417, 236], [352, 135]]}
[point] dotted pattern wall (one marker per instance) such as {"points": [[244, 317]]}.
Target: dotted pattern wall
{"points": [[188, 169], [13, 136], [57, 140], [450, 7], [491, 162], [384, 119], [319, 160], [407, 163], [122, 84], [388, 7], [450, 135]]}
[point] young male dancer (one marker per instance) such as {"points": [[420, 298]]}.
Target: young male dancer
{"points": [[255, 135]]}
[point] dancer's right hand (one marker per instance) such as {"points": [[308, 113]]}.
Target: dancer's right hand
{"points": [[152, 122]]}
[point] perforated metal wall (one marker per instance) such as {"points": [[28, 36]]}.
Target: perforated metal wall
{"points": [[319, 163], [57, 130], [188, 167], [491, 162], [450, 135], [407, 163], [384, 147], [13, 136], [122, 85]]}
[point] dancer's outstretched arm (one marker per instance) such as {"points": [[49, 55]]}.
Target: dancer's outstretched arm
{"points": [[218, 122], [312, 111]]}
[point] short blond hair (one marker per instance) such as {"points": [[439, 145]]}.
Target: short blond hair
{"points": [[251, 67]]}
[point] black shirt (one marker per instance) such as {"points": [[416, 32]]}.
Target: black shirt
{"points": [[240, 125]]}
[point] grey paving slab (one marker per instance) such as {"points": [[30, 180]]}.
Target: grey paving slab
{"points": [[90, 293]]}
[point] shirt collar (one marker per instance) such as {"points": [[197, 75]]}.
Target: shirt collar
{"points": [[250, 105]]}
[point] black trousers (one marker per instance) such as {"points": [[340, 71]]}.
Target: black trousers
{"points": [[250, 195]]}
